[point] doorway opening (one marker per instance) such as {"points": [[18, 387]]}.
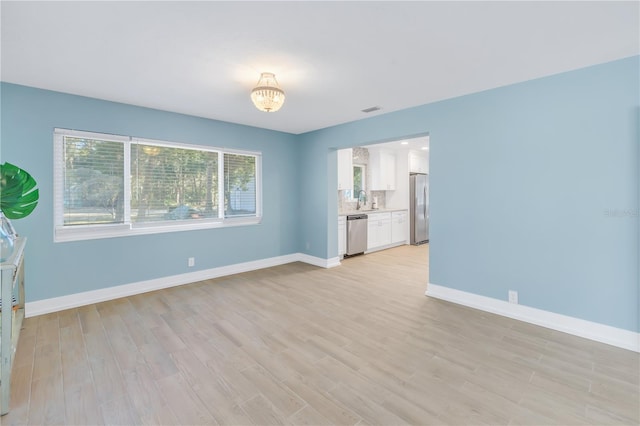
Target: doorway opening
{"points": [[376, 180]]}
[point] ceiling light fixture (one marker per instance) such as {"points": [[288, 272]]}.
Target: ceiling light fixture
{"points": [[267, 96]]}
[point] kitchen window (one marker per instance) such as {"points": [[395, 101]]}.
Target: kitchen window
{"points": [[111, 185], [359, 176]]}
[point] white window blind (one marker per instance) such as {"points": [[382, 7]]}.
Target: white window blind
{"points": [[110, 185], [239, 185], [169, 183], [93, 181]]}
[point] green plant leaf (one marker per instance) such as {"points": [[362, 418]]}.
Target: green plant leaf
{"points": [[18, 193]]}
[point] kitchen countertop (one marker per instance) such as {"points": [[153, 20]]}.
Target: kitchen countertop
{"points": [[369, 211]]}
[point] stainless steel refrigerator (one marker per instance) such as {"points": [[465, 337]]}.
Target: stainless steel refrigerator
{"points": [[419, 208]]}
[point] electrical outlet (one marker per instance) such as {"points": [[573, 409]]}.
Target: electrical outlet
{"points": [[513, 296], [191, 262], [308, 245]]}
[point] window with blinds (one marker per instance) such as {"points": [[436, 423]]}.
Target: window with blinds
{"points": [[110, 185], [239, 185], [93, 181], [170, 183]]}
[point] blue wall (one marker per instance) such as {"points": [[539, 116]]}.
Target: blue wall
{"points": [[529, 188], [534, 188], [55, 269]]}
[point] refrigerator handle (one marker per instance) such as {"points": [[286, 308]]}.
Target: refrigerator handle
{"points": [[424, 191]]}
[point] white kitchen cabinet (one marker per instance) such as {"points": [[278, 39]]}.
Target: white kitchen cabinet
{"points": [[399, 227], [418, 162], [378, 230], [342, 235], [345, 169], [382, 162]]}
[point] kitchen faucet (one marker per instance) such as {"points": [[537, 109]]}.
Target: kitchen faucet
{"points": [[358, 206]]}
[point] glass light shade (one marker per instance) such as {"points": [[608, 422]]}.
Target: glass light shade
{"points": [[267, 96]]}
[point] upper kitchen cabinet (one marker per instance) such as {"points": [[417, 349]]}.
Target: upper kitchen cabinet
{"points": [[418, 162], [382, 162], [345, 169]]}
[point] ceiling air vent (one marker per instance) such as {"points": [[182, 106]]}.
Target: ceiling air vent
{"points": [[371, 109]]}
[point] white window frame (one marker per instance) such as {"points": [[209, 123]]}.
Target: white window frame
{"points": [[64, 233]]}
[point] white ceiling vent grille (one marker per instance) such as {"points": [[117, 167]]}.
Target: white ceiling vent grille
{"points": [[371, 109]]}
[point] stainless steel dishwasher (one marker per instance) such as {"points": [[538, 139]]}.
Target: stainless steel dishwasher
{"points": [[356, 234]]}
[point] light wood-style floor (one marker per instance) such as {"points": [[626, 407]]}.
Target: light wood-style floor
{"points": [[296, 344]]}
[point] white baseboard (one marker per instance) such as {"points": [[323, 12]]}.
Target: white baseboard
{"points": [[55, 304], [578, 327], [317, 261]]}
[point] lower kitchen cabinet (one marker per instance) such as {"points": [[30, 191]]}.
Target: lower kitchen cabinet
{"points": [[342, 235], [399, 232], [379, 230]]}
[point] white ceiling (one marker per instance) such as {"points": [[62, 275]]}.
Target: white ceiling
{"points": [[333, 59]]}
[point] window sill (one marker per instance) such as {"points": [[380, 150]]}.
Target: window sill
{"points": [[94, 232]]}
